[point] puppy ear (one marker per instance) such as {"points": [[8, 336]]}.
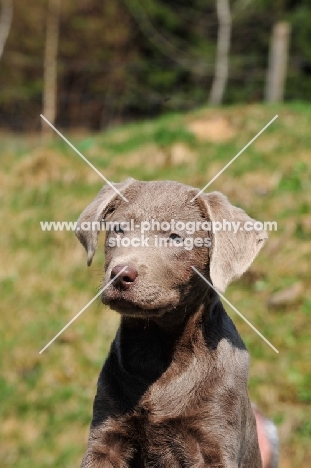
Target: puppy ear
{"points": [[232, 253], [94, 213]]}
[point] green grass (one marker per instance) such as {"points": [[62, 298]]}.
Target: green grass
{"points": [[46, 400]]}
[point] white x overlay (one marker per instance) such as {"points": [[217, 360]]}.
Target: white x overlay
{"points": [[202, 190], [235, 157], [83, 157], [235, 309], [82, 310]]}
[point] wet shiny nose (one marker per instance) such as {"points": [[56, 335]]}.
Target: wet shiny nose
{"points": [[125, 279]]}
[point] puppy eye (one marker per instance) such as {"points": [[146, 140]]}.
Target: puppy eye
{"points": [[108, 212], [176, 238], [118, 230]]}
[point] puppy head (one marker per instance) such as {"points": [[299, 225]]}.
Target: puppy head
{"points": [[149, 273]]}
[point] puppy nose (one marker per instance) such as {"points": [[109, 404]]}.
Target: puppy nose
{"points": [[126, 278]]}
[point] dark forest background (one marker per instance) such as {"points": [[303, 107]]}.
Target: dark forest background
{"points": [[120, 60]]}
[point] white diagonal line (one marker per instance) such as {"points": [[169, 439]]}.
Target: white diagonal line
{"points": [[84, 158], [235, 309], [235, 157], [82, 310]]}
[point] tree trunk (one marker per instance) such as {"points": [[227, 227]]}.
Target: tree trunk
{"points": [[50, 65], [6, 15], [278, 57], [222, 55]]}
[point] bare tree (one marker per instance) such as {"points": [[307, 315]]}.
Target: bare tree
{"points": [[222, 54], [278, 58], [6, 15], [50, 64]]}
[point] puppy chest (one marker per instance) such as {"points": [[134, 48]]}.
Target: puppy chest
{"points": [[173, 443]]}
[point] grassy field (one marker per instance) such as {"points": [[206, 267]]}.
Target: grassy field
{"points": [[46, 400]]}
